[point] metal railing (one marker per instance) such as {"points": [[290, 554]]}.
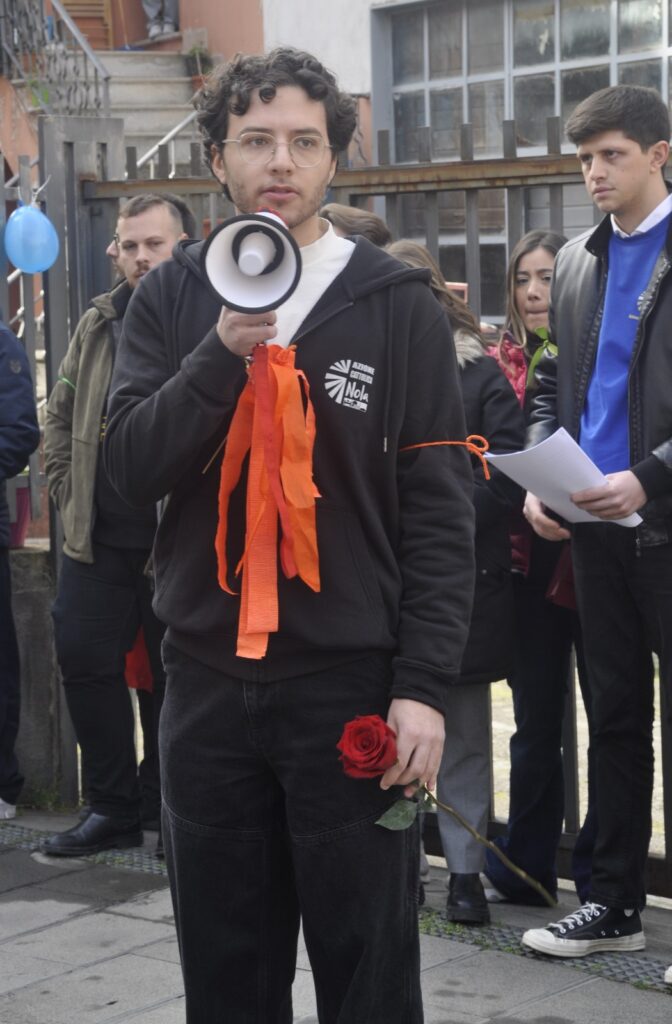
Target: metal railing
{"points": [[50, 58], [162, 158]]}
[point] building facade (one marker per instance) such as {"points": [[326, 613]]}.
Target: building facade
{"points": [[482, 61]]}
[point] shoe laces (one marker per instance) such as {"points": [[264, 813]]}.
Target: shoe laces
{"points": [[588, 912]]}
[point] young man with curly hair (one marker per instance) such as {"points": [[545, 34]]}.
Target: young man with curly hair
{"points": [[263, 829]]}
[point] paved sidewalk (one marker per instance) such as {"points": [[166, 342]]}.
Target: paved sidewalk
{"points": [[89, 941]]}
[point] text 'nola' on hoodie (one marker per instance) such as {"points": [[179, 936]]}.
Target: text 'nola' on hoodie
{"points": [[394, 528]]}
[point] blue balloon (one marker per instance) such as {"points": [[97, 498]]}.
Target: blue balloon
{"points": [[31, 242]]}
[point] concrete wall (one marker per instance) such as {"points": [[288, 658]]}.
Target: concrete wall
{"points": [[46, 745], [336, 31]]}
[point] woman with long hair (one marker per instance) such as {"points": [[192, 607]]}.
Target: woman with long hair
{"points": [[464, 778], [547, 624]]}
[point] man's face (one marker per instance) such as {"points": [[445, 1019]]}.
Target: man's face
{"points": [[145, 241], [296, 193], [621, 178]]}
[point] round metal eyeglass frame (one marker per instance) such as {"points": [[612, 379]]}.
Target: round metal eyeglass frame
{"points": [[260, 147]]}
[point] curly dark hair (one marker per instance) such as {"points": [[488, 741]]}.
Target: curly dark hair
{"points": [[229, 88]]}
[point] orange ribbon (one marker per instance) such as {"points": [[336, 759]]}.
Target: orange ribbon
{"points": [[475, 444], [272, 424]]}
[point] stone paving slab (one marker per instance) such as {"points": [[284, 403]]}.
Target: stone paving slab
{"points": [[167, 949], [486, 984], [101, 993], [16, 870], [152, 906], [90, 938], [34, 909], [18, 970], [595, 1002], [101, 884], [170, 1012]]}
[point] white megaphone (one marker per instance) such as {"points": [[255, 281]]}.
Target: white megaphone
{"points": [[251, 262]]}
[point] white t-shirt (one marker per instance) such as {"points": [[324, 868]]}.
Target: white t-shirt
{"points": [[322, 261]]}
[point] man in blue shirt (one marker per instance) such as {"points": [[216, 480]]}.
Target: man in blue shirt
{"points": [[611, 308]]}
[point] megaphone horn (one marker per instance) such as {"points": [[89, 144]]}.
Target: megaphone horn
{"points": [[251, 262]]}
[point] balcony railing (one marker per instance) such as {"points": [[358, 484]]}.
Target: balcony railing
{"points": [[47, 55]]}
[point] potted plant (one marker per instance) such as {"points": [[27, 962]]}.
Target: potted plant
{"points": [[199, 64]]}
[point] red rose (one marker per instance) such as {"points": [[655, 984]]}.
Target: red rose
{"points": [[368, 747]]}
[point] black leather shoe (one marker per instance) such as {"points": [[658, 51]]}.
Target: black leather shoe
{"points": [[466, 903], [97, 832]]}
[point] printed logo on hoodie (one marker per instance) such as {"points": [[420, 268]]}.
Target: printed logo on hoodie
{"points": [[347, 383]]}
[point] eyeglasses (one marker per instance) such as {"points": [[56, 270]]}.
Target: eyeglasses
{"points": [[260, 148]]}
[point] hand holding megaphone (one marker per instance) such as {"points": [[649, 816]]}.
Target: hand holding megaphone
{"points": [[242, 332], [251, 262]]}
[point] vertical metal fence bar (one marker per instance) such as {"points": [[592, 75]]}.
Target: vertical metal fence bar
{"points": [[472, 254], [514, 196], [554, 145]]}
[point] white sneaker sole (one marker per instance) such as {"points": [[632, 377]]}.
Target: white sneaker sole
{"points": [[668, 976], [543, 941]]}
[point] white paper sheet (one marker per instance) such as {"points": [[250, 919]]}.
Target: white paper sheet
{"points": [[554, 469]]}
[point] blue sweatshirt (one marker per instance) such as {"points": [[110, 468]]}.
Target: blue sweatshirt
{"points": [[604, 423]]}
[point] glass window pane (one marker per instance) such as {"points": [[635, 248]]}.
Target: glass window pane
{"points": [[445, 40], [534, 102], [409, 115], [407, 48], [576, 85], [453, 262], [491, 210], [584, 28], [412, 215], [485, 30], [445, 116], [640, 25], [641, 72], [486, 110], [533, 32], [452, 214]]}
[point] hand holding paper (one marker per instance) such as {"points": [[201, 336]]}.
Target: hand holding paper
{"points": [[557, 468]]}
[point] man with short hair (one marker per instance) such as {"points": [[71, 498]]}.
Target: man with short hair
{"points": [[611, 308], [104, 594], [262, 826]]}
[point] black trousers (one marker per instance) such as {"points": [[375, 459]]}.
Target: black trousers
{"points": [[544, 637], [262, 826], [97, 614], [624, 594], [11, 779]]}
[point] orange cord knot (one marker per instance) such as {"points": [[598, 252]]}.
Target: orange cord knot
{"points": [[272, 423], [474, 443]]}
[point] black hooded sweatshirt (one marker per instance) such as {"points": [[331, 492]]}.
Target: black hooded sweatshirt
{"points": [[394, 528]]}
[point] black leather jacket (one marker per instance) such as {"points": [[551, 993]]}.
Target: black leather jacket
{"points": [[577, 301]]}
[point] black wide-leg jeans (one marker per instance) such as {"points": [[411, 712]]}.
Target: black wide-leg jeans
{"points": [[262, 829], [624, 594], [97, 614]]}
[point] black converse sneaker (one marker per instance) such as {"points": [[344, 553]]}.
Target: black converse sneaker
{"points": [[589, 929]]}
